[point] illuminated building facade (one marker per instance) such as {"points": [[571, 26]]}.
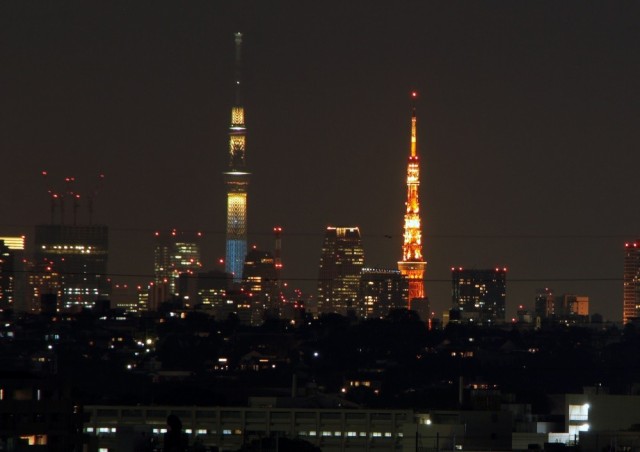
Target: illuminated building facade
{"points": [[480, 295], [124, 297], [7, 276], [259, 277], [381, 290], [631, 282], [13, 275], [573, 308], [43, 280], [545, 303], [205, 290], [175, 253], [413, 265], [72, 261], [237, 182], [341, 264], [260, 273]]}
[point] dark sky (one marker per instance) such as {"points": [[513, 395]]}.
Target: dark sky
{"points": [[527, 129]]}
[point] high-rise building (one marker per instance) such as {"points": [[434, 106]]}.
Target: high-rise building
{"points": [[381, 290], [72, 261], [205, 290], [237, 181], [13, 280], [176, 252], [565, 307], [7, 276], [480, 295], [260, 273], [260, 281], [570, 307], [545, 303], [413, 265], [631, 282], [341, 264]]}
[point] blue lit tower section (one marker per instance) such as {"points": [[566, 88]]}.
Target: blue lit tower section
{"points": [[237, 181]]}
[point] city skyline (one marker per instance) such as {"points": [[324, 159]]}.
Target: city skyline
{"points": [[527, 131]]}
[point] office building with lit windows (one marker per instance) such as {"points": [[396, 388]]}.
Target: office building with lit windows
{"points": [[479, 295], [175, 252], [381, 290], [631, 282], [71, 262], [544, 303], [14, 273], [206, 290], [341, 263], [260, 279], [7, 276]]}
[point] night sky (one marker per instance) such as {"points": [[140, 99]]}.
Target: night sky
{"points": [[527, 129]]}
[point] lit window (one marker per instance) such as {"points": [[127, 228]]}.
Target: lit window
{"points": [[579, 412]]}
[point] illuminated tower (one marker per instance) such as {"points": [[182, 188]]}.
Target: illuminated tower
{"points": [[237, 181], [413, 265], [631, 282]]}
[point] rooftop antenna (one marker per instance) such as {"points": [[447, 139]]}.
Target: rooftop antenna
{"points": [[54, 196], [92, 196], [75, 197], [238, 65]]}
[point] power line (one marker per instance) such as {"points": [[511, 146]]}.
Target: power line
{"points": [[425, 280], [381, 235]]}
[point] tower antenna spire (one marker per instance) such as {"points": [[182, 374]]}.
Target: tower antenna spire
{"points": [[238, 75], [414, 139]]}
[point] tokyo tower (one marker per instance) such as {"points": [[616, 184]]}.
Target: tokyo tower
{"points": [[413, 265]]}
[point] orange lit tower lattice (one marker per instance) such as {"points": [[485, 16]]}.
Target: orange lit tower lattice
{"points": [[413, 265]]}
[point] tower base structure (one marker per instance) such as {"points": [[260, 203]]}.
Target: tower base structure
{"points": [[414, 272]]}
